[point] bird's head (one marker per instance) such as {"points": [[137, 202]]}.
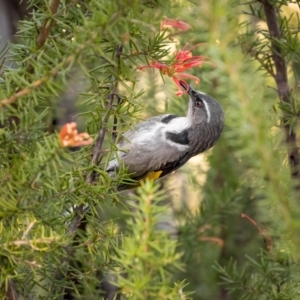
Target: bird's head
{"points": [[203, 109]]}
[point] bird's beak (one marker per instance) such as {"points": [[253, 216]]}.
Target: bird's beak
{"points": [[186, 87]]}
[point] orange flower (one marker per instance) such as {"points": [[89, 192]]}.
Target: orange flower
{"points": [[69, 136], [182, 61], [183, 26]]}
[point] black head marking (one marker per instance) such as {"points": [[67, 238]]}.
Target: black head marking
{"points": [[178, 138]]}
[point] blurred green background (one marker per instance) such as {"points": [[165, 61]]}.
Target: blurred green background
{"points": [[198, 210]]}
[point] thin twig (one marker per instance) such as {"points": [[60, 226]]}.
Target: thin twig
{"points": [[212, 239], [114, 128], [98, 145], [267, 66], [11, 293], [30, 243], [36, 83], [281, 79], [266, 237]]}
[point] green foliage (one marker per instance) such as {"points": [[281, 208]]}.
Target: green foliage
{"points": [[45, 189], [149, 256], [273, 277], [90, 56]]}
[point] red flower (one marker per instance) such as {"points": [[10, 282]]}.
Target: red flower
{"points": [[182, 61], [69, 136], [183, 26]]}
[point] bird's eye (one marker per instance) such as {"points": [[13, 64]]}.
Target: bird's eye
{"points": [[198, 103]]}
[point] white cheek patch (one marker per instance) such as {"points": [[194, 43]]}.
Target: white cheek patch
{"points": [[178, 124], [207, 110]]}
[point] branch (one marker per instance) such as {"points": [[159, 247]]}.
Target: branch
{"points": [[280, 65], [102, 131], [36, 83], [45, 78], [48, 23], [81, 209], [281, 79], [98, 144], [44, 32]]}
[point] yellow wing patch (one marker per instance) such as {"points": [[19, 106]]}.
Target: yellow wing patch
{"points": [[151, 175]]}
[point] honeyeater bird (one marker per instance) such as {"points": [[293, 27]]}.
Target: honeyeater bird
{"points": [[162, 144]]}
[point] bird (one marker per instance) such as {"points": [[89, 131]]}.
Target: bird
{"points": [[160, 145]]}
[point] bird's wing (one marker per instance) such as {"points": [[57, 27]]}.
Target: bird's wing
{"points": [[153, 148], [164, 170], [139, 137]]}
